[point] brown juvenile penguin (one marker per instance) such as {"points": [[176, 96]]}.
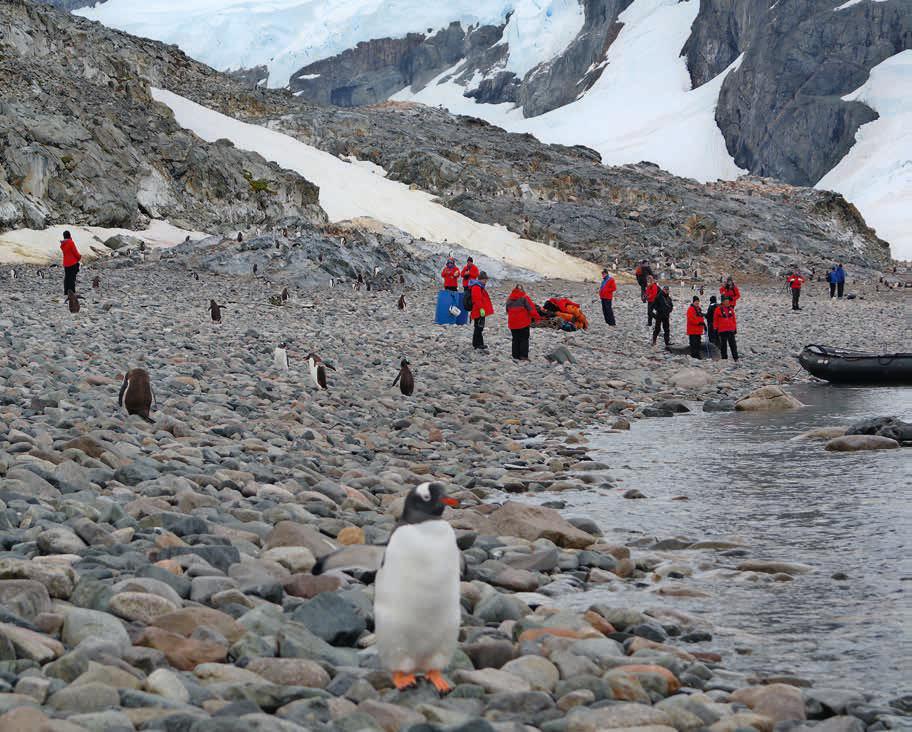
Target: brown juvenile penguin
{"points": [[285, 294], [405, 378], [96, 282], [216, 311], [73, 301], [136, 393], [401, 304]]}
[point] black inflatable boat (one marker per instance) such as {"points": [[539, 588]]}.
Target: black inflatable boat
{"points": [[839, 366]]}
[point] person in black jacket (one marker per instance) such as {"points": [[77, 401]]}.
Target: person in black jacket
{"points": [[662, 308], [643, 272], [711, 332]]}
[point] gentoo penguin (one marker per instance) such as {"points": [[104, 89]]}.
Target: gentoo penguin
{"points": [[73, 301], [284, 294], [255, 268], [216, 311], [401, 303], [416, 593], [405, 378], [318, 370], [96, 282], [136, 393], [280, 357], [240, 236]]}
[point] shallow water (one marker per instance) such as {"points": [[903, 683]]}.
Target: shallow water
{"points": [[789, 501]]}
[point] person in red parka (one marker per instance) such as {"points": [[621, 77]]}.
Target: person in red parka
{"points": [[481, 309], [606, 295], [71, 257], [696, 324], [469, 273], [726, 325], [450, 276], [650, 293], [521, 313], [795, 281], [730, 289]]}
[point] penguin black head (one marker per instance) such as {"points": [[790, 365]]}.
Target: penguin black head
{"points": [[426, 502], [404, 362]]}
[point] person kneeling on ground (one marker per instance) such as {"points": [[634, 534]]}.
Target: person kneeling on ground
{"points": [[662, 306], [696, 324], [727, 326], [521, 313], [606, 294], [481, 308]]}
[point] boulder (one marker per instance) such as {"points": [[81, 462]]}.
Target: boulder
{"points": [[690, 378], [891, 427], [536, 522], [820, 433], [767, 399], [779, 702], [856, 443]]}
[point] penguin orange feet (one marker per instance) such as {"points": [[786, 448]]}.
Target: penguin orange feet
{"points": [[403, 680], [440, 683]]}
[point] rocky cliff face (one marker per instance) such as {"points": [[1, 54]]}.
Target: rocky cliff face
{"points": [[781, 111], [81, 140]]}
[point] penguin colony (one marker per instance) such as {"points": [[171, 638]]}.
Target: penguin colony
{"points": [[421, 563]]}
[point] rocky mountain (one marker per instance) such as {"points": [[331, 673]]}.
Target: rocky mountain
{"points": [[101, 151]]}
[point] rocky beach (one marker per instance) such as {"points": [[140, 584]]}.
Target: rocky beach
{"points": [[156, 576]]}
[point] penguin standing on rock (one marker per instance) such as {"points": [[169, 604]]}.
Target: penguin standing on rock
{"points": [[401, 303], [96, 282], [73, 301], [405, 379], [416, 594], [318, 370], [216, 311], [136, 393], [280, 357]]}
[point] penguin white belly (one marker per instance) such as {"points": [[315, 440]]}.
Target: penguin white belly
{"points": [[281, 359], [416, 600]]}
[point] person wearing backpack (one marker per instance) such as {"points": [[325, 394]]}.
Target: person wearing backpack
{"points": [[521, 313], [480, 309], [662, 306]]}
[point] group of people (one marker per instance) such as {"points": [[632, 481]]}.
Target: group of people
{"points": [[836, 278]]}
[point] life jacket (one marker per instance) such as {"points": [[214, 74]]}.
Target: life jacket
{"points": [[724, 320], [450, 276], [608, 288], [521, 311], [563, 303], [71, 254], [469, 273], [696, 324], [480, 300]]}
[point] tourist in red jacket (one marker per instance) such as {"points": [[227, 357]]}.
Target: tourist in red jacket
{"points": [[795, 281], [521, 313], [696, 325], [450, 276], [726, 325], [481, 309], [71, 257], [730, 289], [606, 295], [469, 273], [651, 292]]}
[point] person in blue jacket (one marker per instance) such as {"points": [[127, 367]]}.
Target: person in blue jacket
{"points": [[840, 281]]}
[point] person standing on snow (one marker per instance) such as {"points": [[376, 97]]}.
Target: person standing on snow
{"points": [[481, 309], [450, 275], [521, 313], [606, 294], [71, 258], [696, 324], [795, 281]]}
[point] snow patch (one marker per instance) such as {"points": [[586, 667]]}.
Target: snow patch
{"points": [[540, 30], [856, 2], [351, 191], [42, 246], [876, 174]]}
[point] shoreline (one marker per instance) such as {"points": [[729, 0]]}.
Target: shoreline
{"points": [[186, 544]]}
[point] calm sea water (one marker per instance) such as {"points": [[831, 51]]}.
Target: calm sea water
{"points": [[789, 501]]}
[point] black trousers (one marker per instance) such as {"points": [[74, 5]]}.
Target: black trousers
{"points": [[478, 333], [728, 339], [608, 311], [713, 336], [69, 277], [650, 313], [832, 289], [451, 288], [796, 294], [840, 288], [661, 323], [521, 342], [695, 345]]}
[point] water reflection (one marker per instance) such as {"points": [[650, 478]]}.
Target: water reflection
{"points": [[788, 501]]}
